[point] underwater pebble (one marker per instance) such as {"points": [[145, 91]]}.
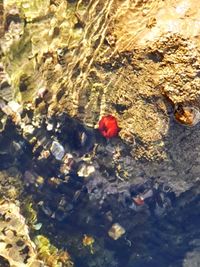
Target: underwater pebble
{"points": [[44, 154], [57, 150], [85, 170], [28, 129], [37, 226], [116, 231], [67, 164], [49, 127]]}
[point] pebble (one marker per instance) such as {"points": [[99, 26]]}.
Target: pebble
{"points": [[85, 170], [57, 150], [116, 231]]}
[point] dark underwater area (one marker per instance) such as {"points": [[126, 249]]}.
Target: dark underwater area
{"points": [[162, 232]]}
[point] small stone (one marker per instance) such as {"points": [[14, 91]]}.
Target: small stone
{"points": [[116, 231], [44, 154], [39, 181], [37, 226], [28, 129], [57, 150], [139, 200], [49, 127], [67, 164], [86, 171]]}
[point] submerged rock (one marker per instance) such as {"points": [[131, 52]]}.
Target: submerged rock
{"points": [[116, 231], [16, 247], [57, 150]]}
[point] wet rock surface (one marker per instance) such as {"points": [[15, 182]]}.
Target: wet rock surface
{"points": [[59, 75], [16, 248], [130, 67]]}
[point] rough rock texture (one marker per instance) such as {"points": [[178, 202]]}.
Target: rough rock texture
{"points": [[11, 185], [138, 72], [137, 52], [16, 248]]}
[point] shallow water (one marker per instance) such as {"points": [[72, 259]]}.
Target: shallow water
{"points": [[67, 64], [165, 236]]}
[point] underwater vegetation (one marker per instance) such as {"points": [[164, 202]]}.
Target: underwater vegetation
{"points": [[50, 254], [88, 241], [30, 214]]}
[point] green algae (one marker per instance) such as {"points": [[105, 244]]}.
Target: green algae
{"points": [[52, 256]]}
